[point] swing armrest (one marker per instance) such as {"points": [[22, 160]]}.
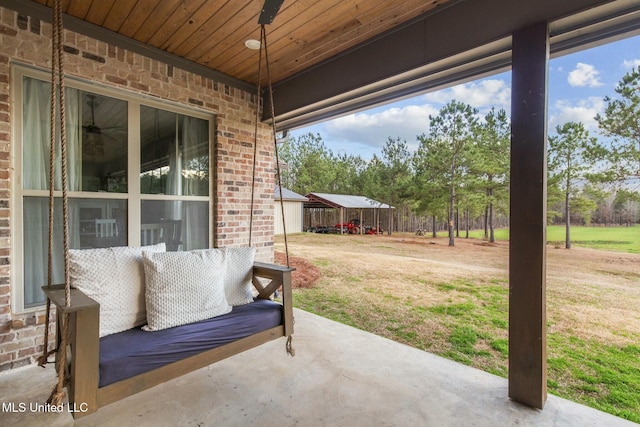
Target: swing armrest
{"points": [[83, 341], [280, 277], [79, 301]]}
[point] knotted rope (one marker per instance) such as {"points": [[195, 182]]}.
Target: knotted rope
{"points": [[289, 346], [263, 42], [275, 142], [57, 103], [255, 143]]}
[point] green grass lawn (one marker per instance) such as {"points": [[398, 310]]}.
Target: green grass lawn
{"points": [[621, 239]]}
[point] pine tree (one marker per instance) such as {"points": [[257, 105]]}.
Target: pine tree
{"points": [[621, 121], [572, 155], [489, 163], [446, 152]]}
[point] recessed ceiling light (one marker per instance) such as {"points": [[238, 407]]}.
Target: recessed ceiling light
{"points": [[252, 44]]}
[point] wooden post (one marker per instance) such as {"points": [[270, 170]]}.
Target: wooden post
{"points": [[85, 351], [527, 245]]}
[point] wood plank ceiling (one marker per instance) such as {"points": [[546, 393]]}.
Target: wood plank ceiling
{"points": [[212, 32]]}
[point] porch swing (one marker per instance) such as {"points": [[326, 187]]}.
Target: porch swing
{"points": [[98, 370]]}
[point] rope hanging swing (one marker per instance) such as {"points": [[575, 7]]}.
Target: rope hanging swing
{"points": [[58, 115], [263, 42], [57, 112]]}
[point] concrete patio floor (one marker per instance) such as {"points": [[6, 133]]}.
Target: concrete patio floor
{"points": [[340, 376]]}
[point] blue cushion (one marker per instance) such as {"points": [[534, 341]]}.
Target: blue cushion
{"points": [[129, 353]]}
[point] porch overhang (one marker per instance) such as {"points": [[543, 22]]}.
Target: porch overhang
{"points": [[458, 42]]}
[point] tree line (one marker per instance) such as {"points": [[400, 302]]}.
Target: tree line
{"points": [[458, 177]]}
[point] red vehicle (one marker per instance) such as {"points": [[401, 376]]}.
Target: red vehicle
{"points": [[353, 227], [350, 227]]}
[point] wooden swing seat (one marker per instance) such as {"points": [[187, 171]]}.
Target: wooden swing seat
{"points": [[83, 344]]}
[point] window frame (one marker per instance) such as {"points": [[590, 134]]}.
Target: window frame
{"points": [[133, 196]]}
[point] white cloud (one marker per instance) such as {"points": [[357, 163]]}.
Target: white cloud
{"points": [[583, 111], [631, 64], [374, 128], [584, 75], [370, 130], [481, 95]]}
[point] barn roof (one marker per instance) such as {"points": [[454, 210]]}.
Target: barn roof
{"points": [[324, 200], [288, 195]]}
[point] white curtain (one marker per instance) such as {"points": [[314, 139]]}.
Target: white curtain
{"points": [[182, 182], [36, 134], [173, 209], [73, 106], [195, 233], [194, 135], [35, 166]]}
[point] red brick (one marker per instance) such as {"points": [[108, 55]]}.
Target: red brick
{"points": [[26, 352], [6, 357], [7, 337], [8, 31]]}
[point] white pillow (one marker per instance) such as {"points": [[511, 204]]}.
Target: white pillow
{"points": [[183, 287], [239, 272], [114, 277]]}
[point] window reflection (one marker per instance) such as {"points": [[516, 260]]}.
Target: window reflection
{"points": [[96, 140], [102, 223], [182, 225], [104, 144], [93, 223], [174, 153]]}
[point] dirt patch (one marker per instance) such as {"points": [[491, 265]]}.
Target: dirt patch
{"points": [[305, 275]]}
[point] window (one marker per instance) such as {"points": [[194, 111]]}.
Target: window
{"points": [[174, 161], [138, 174]]}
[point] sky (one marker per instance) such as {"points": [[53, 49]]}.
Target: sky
{"points": [[578, 84]]}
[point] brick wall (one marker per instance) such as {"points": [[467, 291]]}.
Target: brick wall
{"points": [[27, 41]]}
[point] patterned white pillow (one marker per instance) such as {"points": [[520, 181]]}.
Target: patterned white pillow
{"points": [[183, 287], [239, 271], [114, 277]]}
